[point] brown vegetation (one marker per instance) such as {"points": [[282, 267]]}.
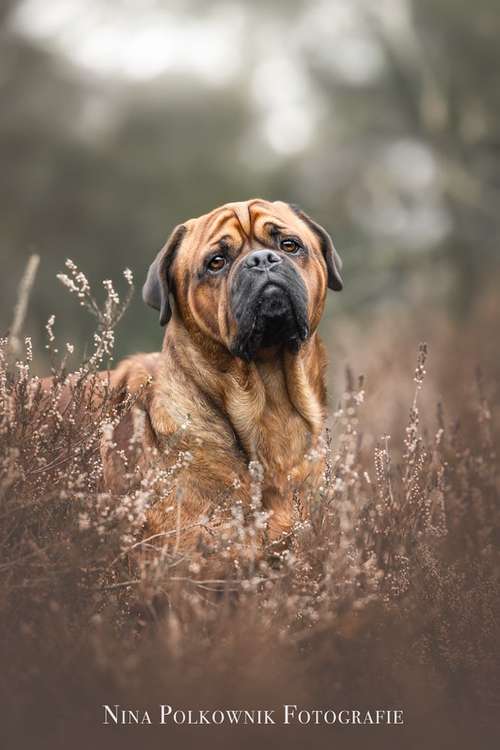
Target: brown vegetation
{"points": [[388, 595]]}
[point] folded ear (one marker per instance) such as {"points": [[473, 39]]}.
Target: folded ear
{"points": [[156, 287], [332, 258]]}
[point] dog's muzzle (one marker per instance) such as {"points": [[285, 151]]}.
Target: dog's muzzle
{"points": [[269, 304]]}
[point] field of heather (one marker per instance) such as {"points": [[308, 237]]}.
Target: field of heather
{"points": [[387, 596]]}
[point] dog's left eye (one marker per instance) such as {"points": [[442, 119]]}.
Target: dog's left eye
{"points": [[289, 246], [217, 263]]}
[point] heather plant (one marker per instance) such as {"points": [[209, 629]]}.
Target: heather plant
{"points": [[388, 585]]}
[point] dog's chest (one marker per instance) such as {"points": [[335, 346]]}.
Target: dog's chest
{"points": [[283, 439], [256, 423], [293, 467]]}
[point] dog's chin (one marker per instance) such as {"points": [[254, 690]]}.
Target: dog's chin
{"points": [[275, 323]]}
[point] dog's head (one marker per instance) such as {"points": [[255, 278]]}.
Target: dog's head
{"points": [[248, 275]]}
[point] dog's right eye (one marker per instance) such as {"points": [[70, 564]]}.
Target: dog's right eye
{"points": [[216, 263]]}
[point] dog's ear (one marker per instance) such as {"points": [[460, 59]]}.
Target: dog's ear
{"points": [[332, 258], [156, 287]]}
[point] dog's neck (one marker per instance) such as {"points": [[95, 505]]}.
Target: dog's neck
{"points": [[279, 391]]}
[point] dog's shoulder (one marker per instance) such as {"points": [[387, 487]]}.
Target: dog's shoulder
{"points": [[136, 375], [123, 461]]}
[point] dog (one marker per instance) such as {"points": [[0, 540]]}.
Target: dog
{"points": [[240, 380]]}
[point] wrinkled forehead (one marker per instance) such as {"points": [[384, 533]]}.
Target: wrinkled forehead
{"points": [[246, 220]]}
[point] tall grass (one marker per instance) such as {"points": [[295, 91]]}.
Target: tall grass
{"points": [[386, 596]]}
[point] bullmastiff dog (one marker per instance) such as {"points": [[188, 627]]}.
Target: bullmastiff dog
{"points": [[232, 409]]}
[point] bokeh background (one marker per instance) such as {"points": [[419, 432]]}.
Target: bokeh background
{"points": [[121, 118]]}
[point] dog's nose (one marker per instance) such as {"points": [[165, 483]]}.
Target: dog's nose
{"points": [[262, 260]]}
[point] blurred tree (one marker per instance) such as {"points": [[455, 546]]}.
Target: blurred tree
{"points": [[439, 91], [402, 163]]}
